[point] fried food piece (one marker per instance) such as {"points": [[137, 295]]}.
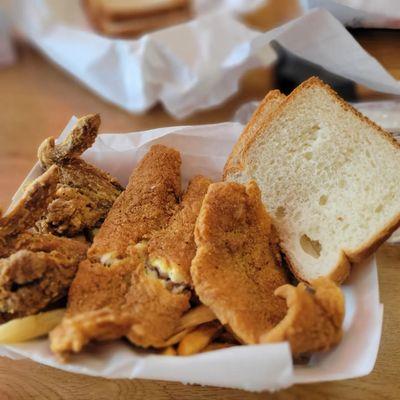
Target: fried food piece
{"points": [[169, 351], [35, 269], [28, 209], [28, 328], [197, 340], [126, 289], [216, 346], [235, 271], [314, 318], [38, 273], [146, 205], [172, 249], [74, 333], [84, 193], [117, 277]]}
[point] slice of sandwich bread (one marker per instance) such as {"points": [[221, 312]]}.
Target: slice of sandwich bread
{"points": [[126, 9], [329, 178], [265, 108], [124, 18]]}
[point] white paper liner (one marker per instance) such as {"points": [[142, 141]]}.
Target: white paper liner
{"points": [[361, 13], [204, 149], [192, 66]]}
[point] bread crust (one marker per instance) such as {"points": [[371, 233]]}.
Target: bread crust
{"points": [[270, 101], [135, 25], [118, 14], [341, 270]]}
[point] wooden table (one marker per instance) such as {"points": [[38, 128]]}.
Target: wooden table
{"points": [[36, 102]]}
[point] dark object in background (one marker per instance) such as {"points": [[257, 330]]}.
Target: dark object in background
{"points": [[292, 70]]}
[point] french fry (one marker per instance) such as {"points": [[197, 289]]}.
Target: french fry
{"points": [[193, 318], [169, 351], [175, 338], [31, 327], [216, 346], [196, 316], [195, 341]]}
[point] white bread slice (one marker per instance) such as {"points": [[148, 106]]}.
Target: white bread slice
{"points": [[109, 18], [264, 109], [329, 177]]}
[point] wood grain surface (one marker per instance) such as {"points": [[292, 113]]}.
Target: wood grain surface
{"points": [[37, 99]]}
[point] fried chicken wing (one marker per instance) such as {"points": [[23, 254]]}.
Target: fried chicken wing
{"points": [[235, 271], [314, 318], [84, 193], [172, 249]]}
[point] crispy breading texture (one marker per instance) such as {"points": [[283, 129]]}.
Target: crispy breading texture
{"points": [[314, 318], [38, 273], [29, 208], [235, 271], [116, 277], [172, 249], [84, 193], [127, 290], [81, 137], [146, 205], [35, 269], [74, 333]]}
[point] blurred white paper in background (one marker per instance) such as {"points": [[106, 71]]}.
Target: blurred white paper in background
{"points": [[361, 13], [192, 66], [204, 150]]}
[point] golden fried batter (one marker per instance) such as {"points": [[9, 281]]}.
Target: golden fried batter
{"points": [[35, 269], [75, 333], [85, 193], [146, 205], [81, 137], [172, 249], [314, 318], [235, 271], [29, 208], [38, 273], [128, 288], [116, 278]]}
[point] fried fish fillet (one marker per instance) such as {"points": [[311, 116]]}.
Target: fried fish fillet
{"points": [[116, 283], [236, 269], [35, 269], [146, 205], [84, 193], [172, 249], [314, 318]]}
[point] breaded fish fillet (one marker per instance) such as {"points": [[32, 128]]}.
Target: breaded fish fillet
{"points": [[172, 249], [146, 205], [236, 271], [314, 318], [84, 193], [118, 283], [35, 269]]}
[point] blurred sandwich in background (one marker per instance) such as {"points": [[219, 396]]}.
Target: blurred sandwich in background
{"points": [[130, 18]]}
